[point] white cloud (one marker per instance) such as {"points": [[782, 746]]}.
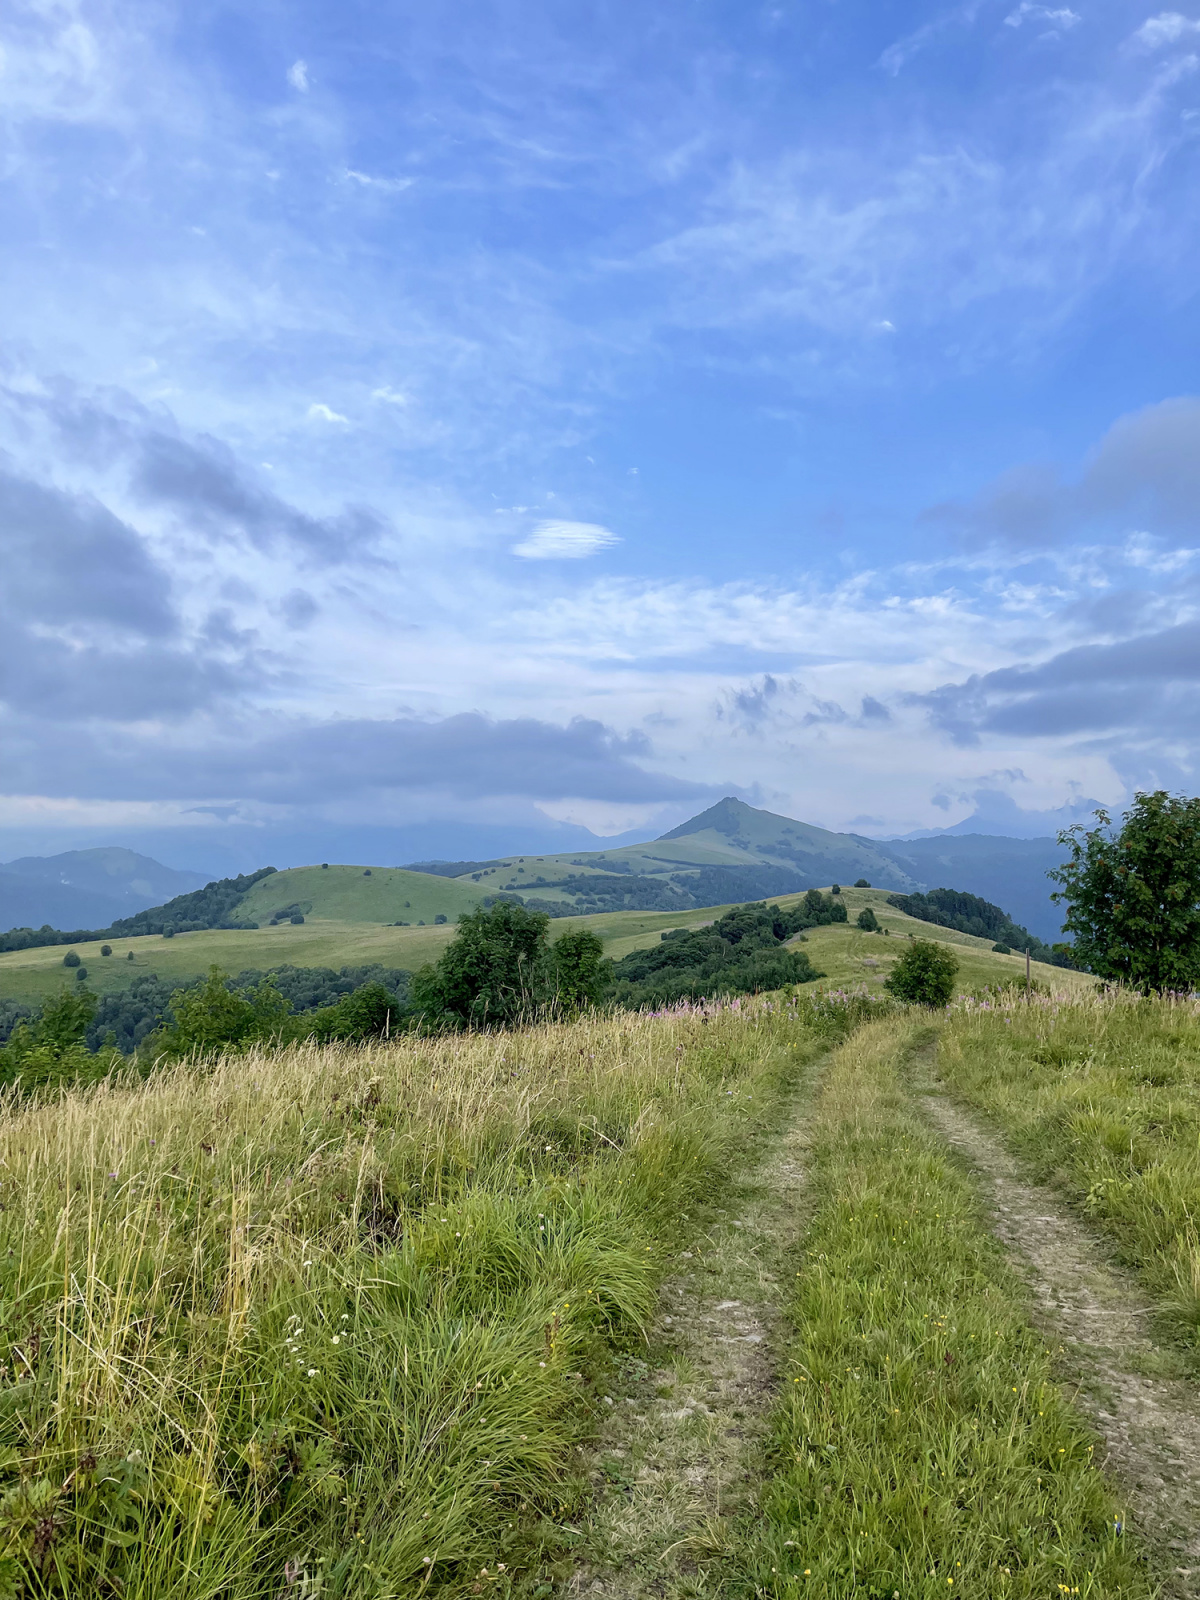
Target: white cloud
{"points": [[323, 413], [297, 76], [565, 541], [388, 185], [393, 397], [1059, 17], [1166, 28]]}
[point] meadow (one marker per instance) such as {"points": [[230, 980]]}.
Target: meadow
{"points": [[1101, 1094], [842, 952], [345, 1322], [329, 1321]]}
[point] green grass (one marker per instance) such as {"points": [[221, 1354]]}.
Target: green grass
{"points": [[1102, 1096], [31, 975], [850, 957], [845, 955], [323, 1321], [370, 895], [922, 1447]]}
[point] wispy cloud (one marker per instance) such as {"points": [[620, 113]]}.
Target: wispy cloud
{"points": [[1166, 28], [366, 180], [898, 55], [1059, 18], [297, 76], [565, 541]]}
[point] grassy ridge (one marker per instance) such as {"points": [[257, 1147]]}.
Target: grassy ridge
{"points": [[360, 894], [1102, 1095], [923, 1447], [322, 1321]]}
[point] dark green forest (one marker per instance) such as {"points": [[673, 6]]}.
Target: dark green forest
{"points": [[967, 913], [741, 953]]}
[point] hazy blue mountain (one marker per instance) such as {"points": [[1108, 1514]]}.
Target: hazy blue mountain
{"points": [[227, 849], [999, 816], [86, 888]]}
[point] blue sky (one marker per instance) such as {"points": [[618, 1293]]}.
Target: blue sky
{"points": [[522, 411]]}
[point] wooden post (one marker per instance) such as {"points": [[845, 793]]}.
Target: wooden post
{"points": [[1027, 972]]}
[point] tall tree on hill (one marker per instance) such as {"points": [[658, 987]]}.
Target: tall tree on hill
{"points": [[1133, 896]]}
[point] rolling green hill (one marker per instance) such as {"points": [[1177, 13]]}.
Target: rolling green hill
{"points": [[360, 894]]}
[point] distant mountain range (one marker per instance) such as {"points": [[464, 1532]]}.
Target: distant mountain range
{"points": [[730, 852], [734, 851], [86, 888]]}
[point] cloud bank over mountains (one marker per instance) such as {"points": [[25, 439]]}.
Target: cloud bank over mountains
{"points": [[540, 416]]}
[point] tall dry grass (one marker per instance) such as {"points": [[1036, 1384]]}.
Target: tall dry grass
{"points": [[321, 1321]]}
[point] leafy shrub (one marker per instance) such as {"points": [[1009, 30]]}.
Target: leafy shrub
{"points": [[51, 1050], [215, 1016], [106, 949], [868, 921], [861, 883], [1001, 950], [578, 969], [924, 974], [71, 959]]}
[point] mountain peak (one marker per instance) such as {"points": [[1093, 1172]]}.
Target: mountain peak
{"points": [[726, 816]]}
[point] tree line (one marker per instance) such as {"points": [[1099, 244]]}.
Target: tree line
{"points": [[214, 906]]}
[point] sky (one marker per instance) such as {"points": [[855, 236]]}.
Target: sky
{"points": [[532, 413]]}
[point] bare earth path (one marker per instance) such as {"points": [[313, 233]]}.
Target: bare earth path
{"points": [[1151, 1425], [682, 1453]]}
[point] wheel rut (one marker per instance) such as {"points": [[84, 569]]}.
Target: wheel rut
{"points": [[1102, 1319], [681, 1454]]}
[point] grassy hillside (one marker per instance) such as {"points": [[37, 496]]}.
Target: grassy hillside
{"points": [[850, 957], [328, 1322], [360, 895], [729, 834], [847, 956], [356, 1324]]}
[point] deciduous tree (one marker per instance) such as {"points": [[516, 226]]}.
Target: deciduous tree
{"points": [[1133, 895]]}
